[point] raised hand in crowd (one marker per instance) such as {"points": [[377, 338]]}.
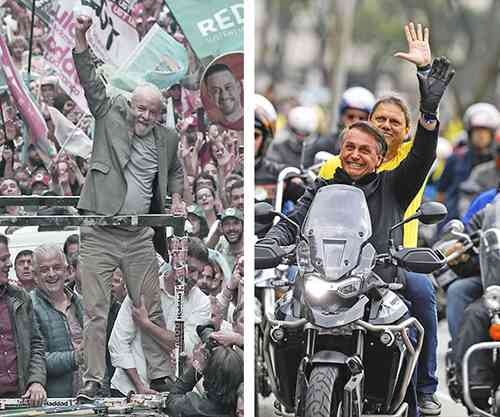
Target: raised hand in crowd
{"points": [[221, 154], [190, 144], [419, 50], [83, 24]]}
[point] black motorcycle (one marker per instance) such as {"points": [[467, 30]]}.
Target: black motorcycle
{"points": [[340, 343]]}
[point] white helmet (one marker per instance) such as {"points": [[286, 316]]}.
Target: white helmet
{"points": [[264, 104], [357, 98], [265, 115], [482, 115], [303, 119]]}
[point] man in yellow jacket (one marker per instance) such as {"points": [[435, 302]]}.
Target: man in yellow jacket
{"points": [[391, 115]]}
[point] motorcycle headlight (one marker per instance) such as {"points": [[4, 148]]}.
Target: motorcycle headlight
{"points": [[317, 288], [349, 287], [492, 298]]}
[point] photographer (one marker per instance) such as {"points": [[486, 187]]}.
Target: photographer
{"points": [[222, 370]]}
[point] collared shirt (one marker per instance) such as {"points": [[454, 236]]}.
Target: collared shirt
{"points": [[125, 343], [8, 354]]}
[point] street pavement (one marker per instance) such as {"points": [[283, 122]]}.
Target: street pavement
{"points": [[450, 407]]}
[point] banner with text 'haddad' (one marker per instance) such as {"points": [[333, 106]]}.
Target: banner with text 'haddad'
{"points": [[212, 27]]}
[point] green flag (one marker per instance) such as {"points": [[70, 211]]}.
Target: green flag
{"points": [[159, 59], [212, 27]]}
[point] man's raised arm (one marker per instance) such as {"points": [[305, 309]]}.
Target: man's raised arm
{"points": [[419, 53], [94, 88], [411, 174]]}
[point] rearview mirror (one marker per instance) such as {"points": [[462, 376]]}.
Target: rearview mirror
{"points": [[431, 212]]}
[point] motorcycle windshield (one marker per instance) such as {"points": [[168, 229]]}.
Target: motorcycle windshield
{"points": [[489, 248], [336, 226]]}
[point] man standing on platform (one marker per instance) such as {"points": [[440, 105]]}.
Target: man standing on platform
{"points": [[134, 163]]}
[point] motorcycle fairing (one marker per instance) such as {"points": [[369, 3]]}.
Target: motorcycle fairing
{"points": [[328, 319], [336, 226], [389, 310]]}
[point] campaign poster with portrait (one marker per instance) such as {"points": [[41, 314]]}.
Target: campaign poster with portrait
{"points": [[222, 91]]}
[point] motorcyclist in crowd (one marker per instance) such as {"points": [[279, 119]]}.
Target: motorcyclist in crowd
{"points": [[487, 174], [363, 149], [479, 202], [291, 147], [480, 122], [266, 169], [464, 291], [467, 313], [482, 374], [392, 116], [356, 104]]}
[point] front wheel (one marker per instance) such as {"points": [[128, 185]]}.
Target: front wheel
{"points": [[322, 397]]}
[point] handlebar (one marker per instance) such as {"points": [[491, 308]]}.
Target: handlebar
{"points": [[468, 242]]}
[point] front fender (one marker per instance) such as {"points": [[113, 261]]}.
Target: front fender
{"points": [[329, 356]]}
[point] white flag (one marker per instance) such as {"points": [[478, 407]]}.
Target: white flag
{"points": [[70, 137]]}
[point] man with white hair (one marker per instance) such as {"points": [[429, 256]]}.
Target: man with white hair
{"points": [[134, 163], [59, 314]]}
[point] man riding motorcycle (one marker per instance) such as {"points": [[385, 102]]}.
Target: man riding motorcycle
{"points": [[388, 193], [480, 122], [266, 169], [292, 146], [392, 116], [469, 311]]}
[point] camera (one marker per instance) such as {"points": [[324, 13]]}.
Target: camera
{"points": [[204, 331]]}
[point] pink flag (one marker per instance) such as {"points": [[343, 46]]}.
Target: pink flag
{"points": [[28, 109]]}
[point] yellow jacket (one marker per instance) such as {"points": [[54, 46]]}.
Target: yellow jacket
{"points": [[410, 234]]}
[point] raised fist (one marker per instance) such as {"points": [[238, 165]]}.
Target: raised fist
{"points": [[83, 24]]}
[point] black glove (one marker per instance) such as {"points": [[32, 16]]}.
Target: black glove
{"points": [[267, 241], [433, 85]]}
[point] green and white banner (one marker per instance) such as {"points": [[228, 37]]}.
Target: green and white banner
{"points": [[159, 59], [212, 27]]}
